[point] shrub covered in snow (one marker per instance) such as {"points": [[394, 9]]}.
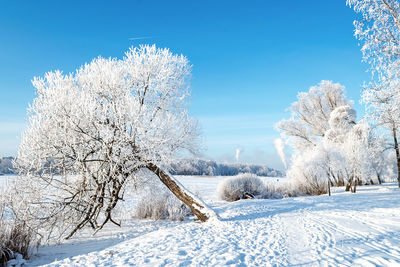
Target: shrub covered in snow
{"points": [[15, 240], [280, 190], [241, 186], [160, 204], [309, 172], [249, 185], [15, 235]]}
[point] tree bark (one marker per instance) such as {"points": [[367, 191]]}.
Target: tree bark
{"points": [[199, 209], [329, 188], [349, 184], [396, 147], [355, 185], [348, 187]]}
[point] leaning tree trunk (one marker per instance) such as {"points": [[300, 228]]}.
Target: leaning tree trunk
{"points": [[396, 147], [198, 207]]}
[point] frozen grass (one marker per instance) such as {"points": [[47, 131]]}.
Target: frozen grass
{"points": [[160, 204], [15, 236], [15, 240]]}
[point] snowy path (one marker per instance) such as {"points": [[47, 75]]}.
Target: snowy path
{"points": [[343, 230]]}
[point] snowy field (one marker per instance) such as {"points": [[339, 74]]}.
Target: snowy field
{"points": [[361, 229]]}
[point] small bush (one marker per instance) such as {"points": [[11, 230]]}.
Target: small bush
{"points": [[15, 237], [307, 183], [280, 190], [161, 205], [235, 188]]}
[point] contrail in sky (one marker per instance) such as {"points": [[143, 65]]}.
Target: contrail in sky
{"points": [[140, 38]]}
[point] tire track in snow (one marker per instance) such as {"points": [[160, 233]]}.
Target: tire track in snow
{"points": [[269, 242], [320, 241], [354, 245]]}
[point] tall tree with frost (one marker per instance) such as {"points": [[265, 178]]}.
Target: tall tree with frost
{"points": [[379, 30], [383, 107], [310, 114], [341, 122], [99, 128], [352, 139]]}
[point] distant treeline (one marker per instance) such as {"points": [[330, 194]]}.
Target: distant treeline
{"points": [[212, 168], [188, 167], [6, 165]]}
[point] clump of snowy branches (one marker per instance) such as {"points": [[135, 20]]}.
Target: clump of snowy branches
{"points": [[93, 131], [379, 30], [16, 237], [15, 242], [310, 114]]}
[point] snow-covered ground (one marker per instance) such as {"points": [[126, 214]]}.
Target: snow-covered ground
{"points": [[361, 229]]}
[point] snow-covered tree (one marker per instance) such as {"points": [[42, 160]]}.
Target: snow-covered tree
{"points": [[310, 114], [383, 107], [344, 156], [341, 122], [355, 141], [355, 149], [379, 30], [380, 154], [93, 130]]}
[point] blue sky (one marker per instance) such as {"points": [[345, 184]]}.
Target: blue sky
{"points": [[250, 58]]}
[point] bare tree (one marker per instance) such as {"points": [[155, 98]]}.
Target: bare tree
{"points": [[92, 131]]}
